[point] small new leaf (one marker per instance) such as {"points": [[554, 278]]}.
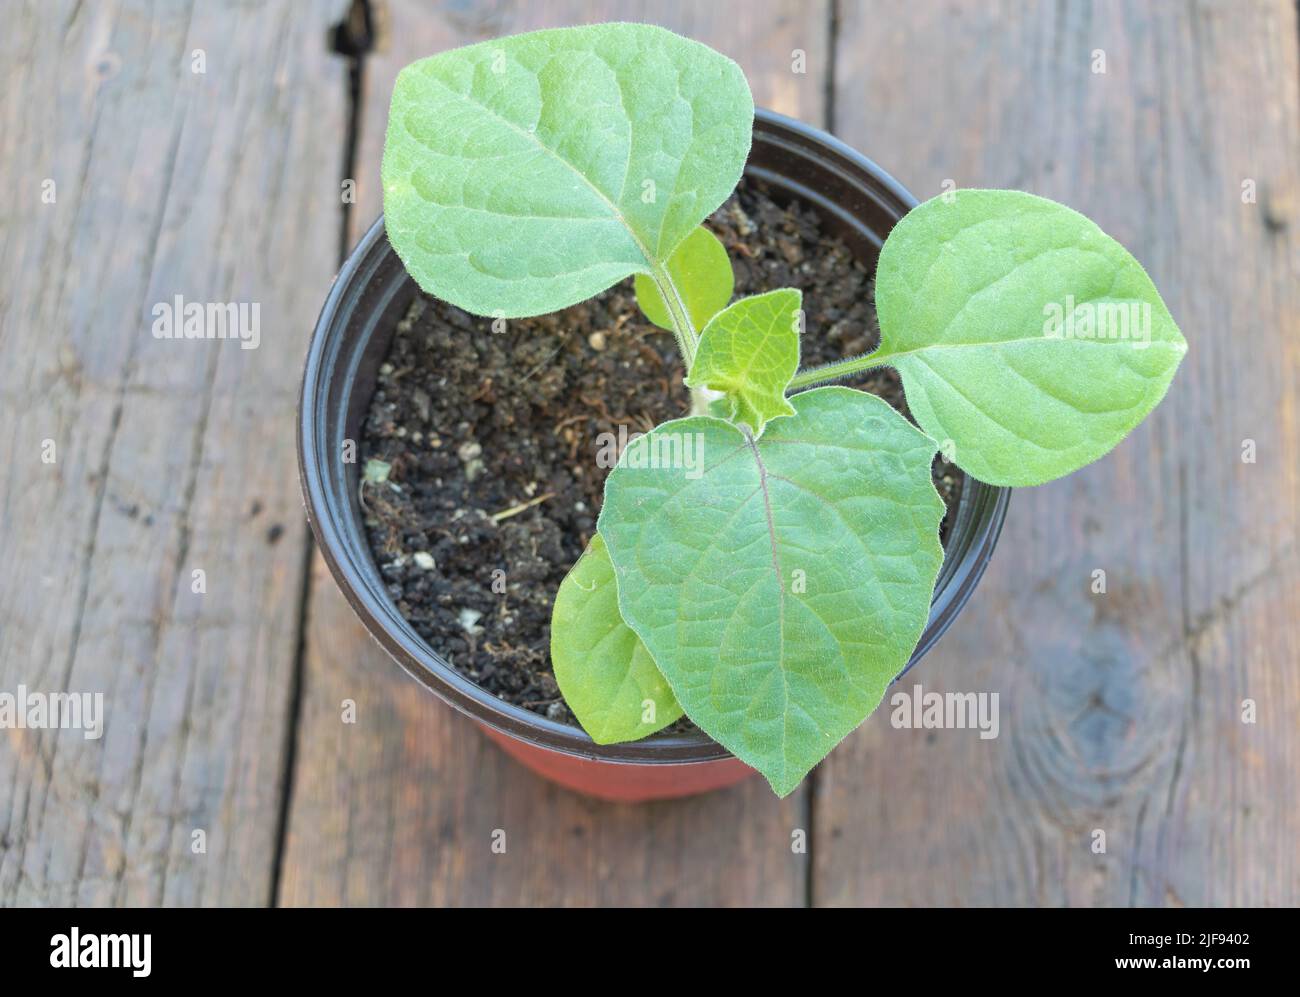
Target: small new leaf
{"points": [[526, 174], [1023, 333], [749, 351], [781, 583], [702, 275], [605, 673]]}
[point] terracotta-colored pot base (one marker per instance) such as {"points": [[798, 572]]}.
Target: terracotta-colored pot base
{"points": [[623, 782]]}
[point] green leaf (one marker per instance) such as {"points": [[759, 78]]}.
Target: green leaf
{"points": [[702, 275], [376, 471], [529, 173], [780, 584], [749, 351], [604, 671], [983, 302]]}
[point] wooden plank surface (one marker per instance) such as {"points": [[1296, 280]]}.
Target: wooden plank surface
{"points": [[401, 806], [171, 456], [1120, 712]]}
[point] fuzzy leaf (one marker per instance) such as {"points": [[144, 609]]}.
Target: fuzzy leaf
{"points": [[749, 351], [604, 671], [702, 274], [983, 303], [529, 173], [780, 584]]}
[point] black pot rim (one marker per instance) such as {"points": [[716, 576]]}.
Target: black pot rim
{"points": [[972, 537]]}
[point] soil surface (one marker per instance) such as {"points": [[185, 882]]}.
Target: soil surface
{"points": [[489, 439]]}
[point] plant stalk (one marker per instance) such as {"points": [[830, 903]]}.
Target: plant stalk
{"points": [[684, 331], [838, 369]]}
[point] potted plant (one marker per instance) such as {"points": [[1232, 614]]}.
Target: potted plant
{"points": [[767, 562]]}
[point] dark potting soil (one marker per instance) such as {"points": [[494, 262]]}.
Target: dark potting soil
{"points": [[490, 439]]}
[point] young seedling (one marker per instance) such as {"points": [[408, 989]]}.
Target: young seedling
{"points": [[764, 565]]}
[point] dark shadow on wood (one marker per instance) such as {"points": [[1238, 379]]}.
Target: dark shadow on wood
{"points": [[352, 39]]}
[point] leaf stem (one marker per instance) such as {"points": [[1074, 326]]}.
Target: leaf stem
{"points": [[684, 331], [838, 369]]}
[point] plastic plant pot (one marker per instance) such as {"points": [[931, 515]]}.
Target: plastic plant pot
{"points": [[858, 202]]}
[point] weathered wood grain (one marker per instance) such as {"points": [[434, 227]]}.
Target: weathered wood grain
{"points": [[172, 456], [400, 807], [1121, 712]]}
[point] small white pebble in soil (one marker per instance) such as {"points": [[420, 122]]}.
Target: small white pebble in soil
{"points": [[468, 451], [555, 711], [469, 620], [579, 506], [597, 340], [423, 560], [385, 369], [473, 469]]}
